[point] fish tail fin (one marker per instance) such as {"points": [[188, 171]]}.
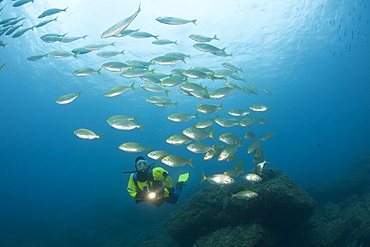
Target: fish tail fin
{"points": [[75, 55], [215, 37], [183, 59], [141, 126], [84, 36], [222, 106], [113, 44], [122, 52], [56, 18], [176, 103], [190, 162], [204, 177], [232, 196], [132, 86], [211, 134], [65, 10], [166, 92], [241, 69], [134, 118], [1, 67], [156, 37], [79, 94], [98, 71], [100, 137], [196, 115], [148, 148], [176, 42], [195, 22]]}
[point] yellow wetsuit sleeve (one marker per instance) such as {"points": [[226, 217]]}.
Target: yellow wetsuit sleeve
{"points": [[131, 187], [168, 182]]}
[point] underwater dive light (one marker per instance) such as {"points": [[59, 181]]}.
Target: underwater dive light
{"points": [[151, 195]]}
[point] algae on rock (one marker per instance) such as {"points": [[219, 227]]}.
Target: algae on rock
{"points": [[280, 206]]}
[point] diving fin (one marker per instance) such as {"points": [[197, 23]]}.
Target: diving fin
{"points": [[183, 177]]}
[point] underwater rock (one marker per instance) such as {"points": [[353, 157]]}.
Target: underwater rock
{"points": [[281, 205], [337, 190], [242, 236], [346, 224], [342, 218]]}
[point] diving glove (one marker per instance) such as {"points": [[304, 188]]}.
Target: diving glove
{"points": [[179, 185], [139, 194]]}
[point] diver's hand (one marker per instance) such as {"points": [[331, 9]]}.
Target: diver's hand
{"points": [[138, 200], [139, 195], [179, 185]]}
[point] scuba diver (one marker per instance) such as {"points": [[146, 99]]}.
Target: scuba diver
{"points": [[149, 183]]}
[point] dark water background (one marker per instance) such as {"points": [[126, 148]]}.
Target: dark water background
{"points": [[312, 55]]}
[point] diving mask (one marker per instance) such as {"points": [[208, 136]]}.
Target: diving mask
{"points": [[143, 166]]}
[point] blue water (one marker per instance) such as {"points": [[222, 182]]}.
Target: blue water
{"points": [[312, 55]]}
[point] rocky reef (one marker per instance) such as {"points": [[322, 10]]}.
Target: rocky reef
{"points": [[354, 183], [345, 224], [343, 216], [280, 208], [245, 235]]}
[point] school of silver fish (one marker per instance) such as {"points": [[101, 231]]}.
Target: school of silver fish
{"points": [[187, 81]]}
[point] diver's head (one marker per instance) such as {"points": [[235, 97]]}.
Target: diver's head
{"points": [[142, 165]]}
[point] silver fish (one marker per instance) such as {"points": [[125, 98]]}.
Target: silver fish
{"points": [[208, 48], [158, 154], [87, 134], [36, 57], [245, 194], [164, 42], [22, 31], [68, 39], [65, 99], [201, 38], [252, 147], [43, 23], [174, 20], [267, 136], [120, 26], [178, 139], [218, 179], [51, 11], [143, 35]]}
